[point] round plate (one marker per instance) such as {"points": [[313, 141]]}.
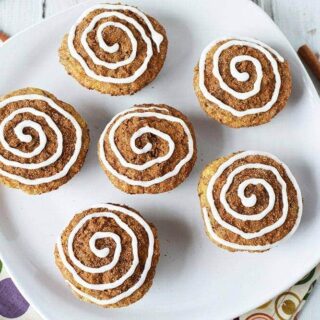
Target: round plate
{"points": [[194, 278]]}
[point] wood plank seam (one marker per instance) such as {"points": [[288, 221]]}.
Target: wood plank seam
{"points": [[44, 7]]}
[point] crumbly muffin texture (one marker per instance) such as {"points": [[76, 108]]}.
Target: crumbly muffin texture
{"points": [[236, 114], [31, 118], [224, 227], [152, 161], [110, 228], [113, 71]]}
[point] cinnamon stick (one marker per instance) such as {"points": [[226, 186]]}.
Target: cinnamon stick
{"points": [[310, 59], [3, 37]]}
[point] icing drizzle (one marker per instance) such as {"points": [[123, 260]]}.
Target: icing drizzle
{"points": [[250, 201], [19, 132], [270, 54], [149, 112], [113, 9], [108, 214]]}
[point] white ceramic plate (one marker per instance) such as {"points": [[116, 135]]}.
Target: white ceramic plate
{"points": [[194, 280]]}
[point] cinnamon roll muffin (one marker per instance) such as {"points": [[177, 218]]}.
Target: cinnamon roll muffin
{"points": [[242, 82], [115, 49], [148, 149], [250, 201], [43, 141], [108, 255]]}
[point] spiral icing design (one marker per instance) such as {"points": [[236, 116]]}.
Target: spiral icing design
{"points": [[110, 271], [252, 202], [264, 70], [147, 145], [33, 145], [102, 58]]}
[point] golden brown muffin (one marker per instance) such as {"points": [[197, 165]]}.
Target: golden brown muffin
{"points": [[114, 49], [148, 149], [241, 82], [250, 201], [113, 256], [43, 141]]}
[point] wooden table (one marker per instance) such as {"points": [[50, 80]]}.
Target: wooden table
{"points": [[298, 19]]}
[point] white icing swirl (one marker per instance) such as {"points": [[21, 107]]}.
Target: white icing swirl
{"points": [[112, 11], [102, 253], [19, 132], [270, 54], [250, 201], [150, 112]]}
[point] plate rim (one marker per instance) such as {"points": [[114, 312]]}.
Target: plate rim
{"points": [[309, 85]]}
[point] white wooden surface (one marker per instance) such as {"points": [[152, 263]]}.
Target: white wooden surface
{"points": [[298, 19]]}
